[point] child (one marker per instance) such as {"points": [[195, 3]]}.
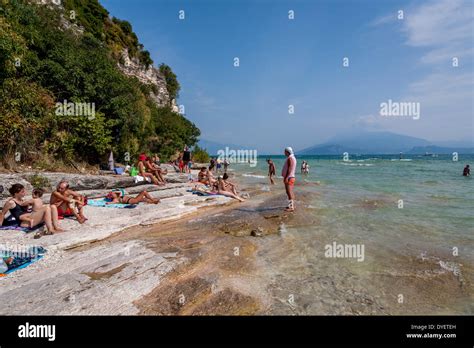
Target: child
{"points": [[36, 203]]}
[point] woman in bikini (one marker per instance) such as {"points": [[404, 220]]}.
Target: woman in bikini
{"points": [[142, 170], [221, 189], [47, 214], [119, 197]]}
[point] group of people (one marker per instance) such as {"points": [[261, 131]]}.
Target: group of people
{"points": [[149, 168], [221, 185], [33, 212], [64, 202], [183, 163]]}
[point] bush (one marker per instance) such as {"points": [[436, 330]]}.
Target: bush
{"points": [[39, 182], [200, 155]]}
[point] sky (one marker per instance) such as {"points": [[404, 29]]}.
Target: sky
{"points": [[399, 56]]}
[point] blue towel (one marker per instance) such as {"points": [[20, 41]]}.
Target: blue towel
{"points": [[102, 202], [22, 259]]}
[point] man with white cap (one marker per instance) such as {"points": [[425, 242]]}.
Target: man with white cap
{"points": [[288, 173]]}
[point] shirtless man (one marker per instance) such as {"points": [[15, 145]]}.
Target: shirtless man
{"points": [[288, 173], [271, 170], [155, 170], [67, 201]]}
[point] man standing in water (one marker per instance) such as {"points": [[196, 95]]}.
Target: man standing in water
{"points": [[271, 170], [288, 173]]}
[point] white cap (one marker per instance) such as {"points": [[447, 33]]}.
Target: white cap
{"points": [[289, 150]]}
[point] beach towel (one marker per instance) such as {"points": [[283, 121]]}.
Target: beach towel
{"points": [[19, 228], [139, 178], [102, 202], [204, 193], [21, 259]]}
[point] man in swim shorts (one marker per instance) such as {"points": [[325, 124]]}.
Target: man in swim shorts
{"points": [[288, 173]]}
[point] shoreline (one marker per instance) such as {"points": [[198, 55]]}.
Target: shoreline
{"points": [[185, 264]]}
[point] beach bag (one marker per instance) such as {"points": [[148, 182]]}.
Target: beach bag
{"points": [[133, 171]]}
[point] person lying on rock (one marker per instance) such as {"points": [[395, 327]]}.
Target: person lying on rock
{"points": [[119, 197], [223, 191], [68, 202]]}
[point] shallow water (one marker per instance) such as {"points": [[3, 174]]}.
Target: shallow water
{"points": [[418, 258]]}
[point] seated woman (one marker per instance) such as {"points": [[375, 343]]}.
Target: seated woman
{"points": [[228, 185], [119, 197], [221, 189], [16, 206], [155, 170], [210, 177], [142, 170], [68, 202]]}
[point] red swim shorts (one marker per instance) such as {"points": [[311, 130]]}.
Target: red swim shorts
{"points": [[67, 212], [291, 181]]}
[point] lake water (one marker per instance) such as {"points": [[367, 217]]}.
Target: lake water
{"points": [[413, 217]]}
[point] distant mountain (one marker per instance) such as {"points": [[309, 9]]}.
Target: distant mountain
{"points": [[366, 143], [439, 150], [213, 147]]}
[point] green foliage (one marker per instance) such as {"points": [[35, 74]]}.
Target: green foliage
{"points": [[200, 155], [39, 182], [58, 65], [172, 84]]}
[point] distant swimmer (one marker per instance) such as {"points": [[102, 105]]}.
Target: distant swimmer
{"points": [[271, 170], [466, 171], [304, 167], [401, 155], [288, 173]]}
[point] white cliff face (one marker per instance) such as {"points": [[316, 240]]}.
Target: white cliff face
{"points": [[151, 75]]}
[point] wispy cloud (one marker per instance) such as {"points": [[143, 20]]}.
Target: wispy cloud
{"points": [[441, 30]]}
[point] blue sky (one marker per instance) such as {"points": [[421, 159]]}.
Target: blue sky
{"points": [[300, 62]]}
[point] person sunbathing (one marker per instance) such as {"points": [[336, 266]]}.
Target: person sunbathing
{"points": [[68, 202], [36, 203], [142, 170], [119, 197], [202, 176], [17, 208], [210, 177], [228, 185], [155, 170], [221, 189]]}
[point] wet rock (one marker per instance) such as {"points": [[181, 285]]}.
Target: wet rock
{"points": [[258, 232]]}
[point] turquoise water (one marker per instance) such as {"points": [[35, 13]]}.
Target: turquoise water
{"points": [[357, 202]]}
